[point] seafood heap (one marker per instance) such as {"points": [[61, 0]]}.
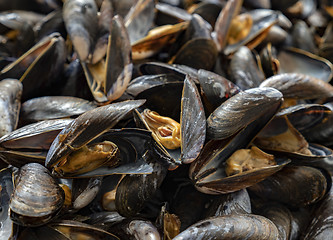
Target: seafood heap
{"points": [[171, 119]]}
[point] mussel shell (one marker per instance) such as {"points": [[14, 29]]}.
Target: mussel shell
{"points": [[53, 107], [151, 68], [136, 147], [208, 171], [46, 59], [18, 158], [105, 219], [39, 233], [244, 69], [37, 197], [181, 204], [299, 86], [84, 191], [268, 59], [231, 203], [293, 60], [240, 110], [83, 129], [193, 134], [208, 11], [80, 19], [38, 135], [280, 216], [302, 37], [105, 199], [140, 19], [198, 53], [10, 104], [77, 230], [216, 88], [258, 32], [31, 142], [197, 28], [306, 116], [7, 187], [119, 61], [223, 21], [242, 226], [170, 14], [144, 82], [321, 224], [53, 22], [295, 186], [136, 229], [155, 99], [134, 190], [157, 39], [319, 154]]}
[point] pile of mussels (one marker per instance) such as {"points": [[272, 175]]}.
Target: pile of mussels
{"points": [[173, 119]]}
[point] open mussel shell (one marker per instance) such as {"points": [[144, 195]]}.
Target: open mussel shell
{"points": [[31, 142], [23, 39], [306, 116], [10, 104], [37, 197], [208, 171], [144, 82], [169, 223], [241, 110], [241, 226], [84, 129], [223, 21], [281, 138], [157, 39], [268, 59], [108, 80], [321, 133], [52, 22], [299, 86], [187, 96], [293, 60], [77, 230], [157, 95], [135, 147], [34, 136], [45, 59], [257, 33], [152, 68], [296, 186], [53, 107]]}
